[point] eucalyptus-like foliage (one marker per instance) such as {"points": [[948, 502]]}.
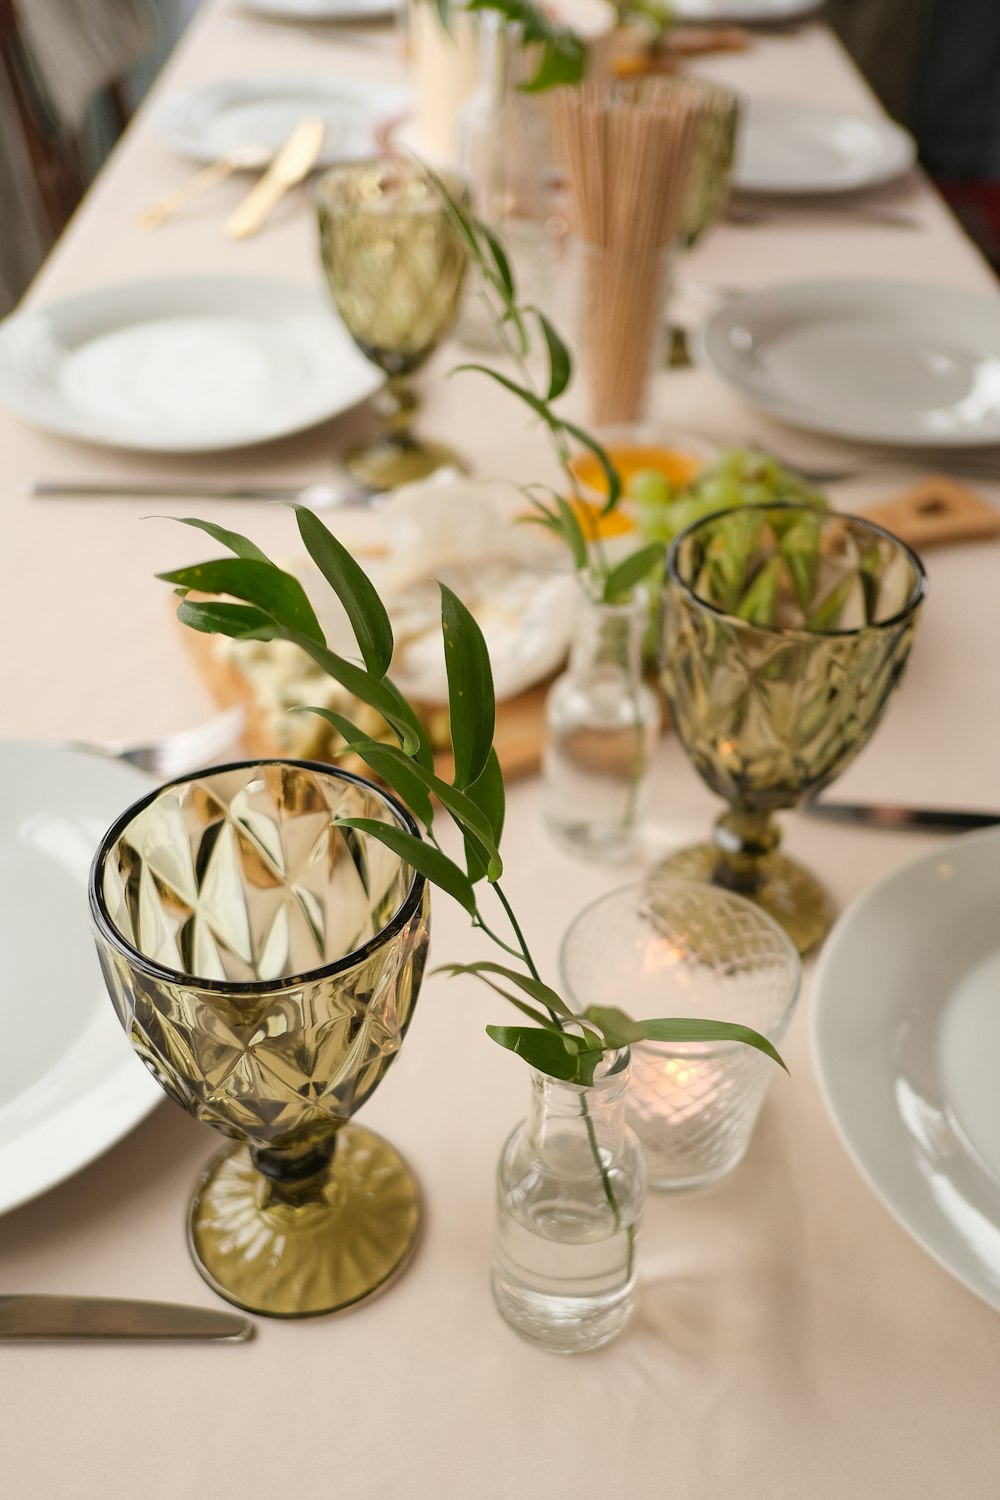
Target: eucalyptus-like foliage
{"points": [[252, 598]]}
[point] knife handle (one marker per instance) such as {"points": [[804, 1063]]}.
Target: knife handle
{"points": [[253, 211]]}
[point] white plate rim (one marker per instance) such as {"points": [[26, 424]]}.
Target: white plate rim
{"points": [[755, 12], [310, 303], [900, 151], [822, 986], [176, 119], [792, 292], [316, 10], [103, 1114]]}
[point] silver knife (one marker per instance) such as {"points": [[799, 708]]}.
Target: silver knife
{"points": [[316, 496], [888, 815], [32, 1316]]}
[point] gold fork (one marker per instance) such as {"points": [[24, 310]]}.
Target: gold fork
{"points": [[238, 160]]}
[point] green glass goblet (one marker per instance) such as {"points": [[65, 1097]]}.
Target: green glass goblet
{"points": [[395, 263], [265, 960], [710, 182], [783, 632]]}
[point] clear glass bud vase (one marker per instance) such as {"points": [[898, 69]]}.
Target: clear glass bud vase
{"points": [[602, 723], [570, 1186]]}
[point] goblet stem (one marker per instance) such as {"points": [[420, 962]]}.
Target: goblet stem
{"points": [[295, 1177], [745, 842], [397, 404]]}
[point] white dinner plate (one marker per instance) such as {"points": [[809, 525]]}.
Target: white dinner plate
{"points": [[876, 361], [322, 10], [742, 12], [906, 1038], [785, 146], [70, 1084], [186, 366], [243, 114]]}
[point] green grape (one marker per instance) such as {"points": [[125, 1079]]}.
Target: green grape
{"points": [[650, 487]]}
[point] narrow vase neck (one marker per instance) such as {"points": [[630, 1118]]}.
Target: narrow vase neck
{"points": [[609, 638]]}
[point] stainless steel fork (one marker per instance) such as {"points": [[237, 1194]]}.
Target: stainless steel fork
{"points": [[174, 754]]}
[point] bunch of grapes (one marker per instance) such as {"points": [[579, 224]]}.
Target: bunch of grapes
{"points": [[738, 477]]}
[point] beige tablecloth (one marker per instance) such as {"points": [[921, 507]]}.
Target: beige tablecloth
{"points": [[792, 1342]]}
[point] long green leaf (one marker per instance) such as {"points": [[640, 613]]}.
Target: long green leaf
{"points": [[522, 392], [620, 1031], [277, 593], [550, 1052], [545, 995], [242, 546], [471, 696], [560, 363], [415, 784], [537, 1016], [355, 590], [428, 861], [240, 621], [379, 693], [631, 570], [503, 275], [399, 771], [490, 796], [610, 472]]}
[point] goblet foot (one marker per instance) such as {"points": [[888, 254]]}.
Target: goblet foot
{"points": [[346, 1235], [783, 888], [392, 461]]}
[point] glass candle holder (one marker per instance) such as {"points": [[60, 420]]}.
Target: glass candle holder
{"points": [[676, 948]]}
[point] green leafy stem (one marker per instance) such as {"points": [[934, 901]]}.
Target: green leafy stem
{"points": [[255, 599]]}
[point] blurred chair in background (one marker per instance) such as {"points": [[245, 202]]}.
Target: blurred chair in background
{"points": [[71, 71]]}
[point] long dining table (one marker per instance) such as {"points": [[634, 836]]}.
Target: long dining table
{"points": [[791, 1339]]}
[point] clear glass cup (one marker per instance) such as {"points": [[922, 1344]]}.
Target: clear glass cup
{"points": [[570, 1188], [265, 961], [395, 265], [676, 948]]}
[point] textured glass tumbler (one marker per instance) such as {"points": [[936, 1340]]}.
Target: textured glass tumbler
{"points": [[265, 960], [677, 948], [784, 631], [570, 1189]]}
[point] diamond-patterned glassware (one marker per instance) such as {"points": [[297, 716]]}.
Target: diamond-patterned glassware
{"points": [[680, 948], [395, 263], [784, 630], [264, 961]]}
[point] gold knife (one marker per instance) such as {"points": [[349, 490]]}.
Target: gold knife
{"points": [[295, 159], [31, 1316]]}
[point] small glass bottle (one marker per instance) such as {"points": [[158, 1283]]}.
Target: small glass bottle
{"points": [[570, 1188], [602, 725], [504, 152]]}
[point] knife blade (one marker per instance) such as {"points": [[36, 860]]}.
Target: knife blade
{"points": [[296, 157], [889, 815], [44, 1316], [318, 496]]}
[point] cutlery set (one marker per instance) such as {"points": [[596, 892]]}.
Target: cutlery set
{"points": [[290, 165]]}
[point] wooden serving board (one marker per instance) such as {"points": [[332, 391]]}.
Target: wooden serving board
{"points": [[520, 726]]}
